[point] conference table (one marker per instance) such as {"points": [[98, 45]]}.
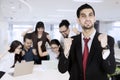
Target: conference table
{"points": [[40, 72]]}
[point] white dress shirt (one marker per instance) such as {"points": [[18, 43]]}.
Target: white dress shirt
{"points": [[105, 53], [6, 62]]}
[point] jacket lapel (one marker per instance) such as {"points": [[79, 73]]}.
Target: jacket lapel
{"points": [[92, 52], [95, 42], [79, 50]]}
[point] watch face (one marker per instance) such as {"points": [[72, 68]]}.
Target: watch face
{"points": [[107, 47]]}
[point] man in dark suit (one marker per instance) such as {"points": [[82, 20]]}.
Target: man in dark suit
{"points": [[100, 49]]}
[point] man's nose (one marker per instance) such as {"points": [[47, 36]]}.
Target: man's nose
{"points": [[87, 18]]}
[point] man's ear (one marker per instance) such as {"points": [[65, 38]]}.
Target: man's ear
{"points": [[94, 20], [78, 21]]}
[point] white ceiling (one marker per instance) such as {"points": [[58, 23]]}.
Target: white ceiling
{"points": [[53, 11]]}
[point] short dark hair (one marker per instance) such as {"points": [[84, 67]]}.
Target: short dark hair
{"points": [[84, 6], [65, 23], [39, 24], [27, 36], [55, 41], [14, 45]]}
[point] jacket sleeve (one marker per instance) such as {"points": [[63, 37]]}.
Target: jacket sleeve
{"points": [[109, 64], [63, 63]]}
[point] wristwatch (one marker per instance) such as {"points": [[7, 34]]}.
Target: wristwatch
{"points": [[106, 47]]}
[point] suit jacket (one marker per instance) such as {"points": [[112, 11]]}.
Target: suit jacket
{"points": [[97, 68]]}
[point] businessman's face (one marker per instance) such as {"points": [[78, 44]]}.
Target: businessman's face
{"points": [[87, 19]]}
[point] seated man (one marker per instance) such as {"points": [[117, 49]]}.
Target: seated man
{"points": [[28, 53]]}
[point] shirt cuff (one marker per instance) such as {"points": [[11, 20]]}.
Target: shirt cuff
{"points": [[105, 53]]}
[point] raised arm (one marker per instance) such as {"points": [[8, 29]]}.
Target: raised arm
{"points": [[75, 30], [25, 32], [107, 43], [64, 59], [48, 38], [40, 50]]}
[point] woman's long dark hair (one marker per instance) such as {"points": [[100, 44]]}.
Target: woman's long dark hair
{"points": [[13, 46], [39, 24], [55, 41]]}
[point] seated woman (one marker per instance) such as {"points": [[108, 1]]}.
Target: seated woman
{"points": [[56, 48], [10, 58]]}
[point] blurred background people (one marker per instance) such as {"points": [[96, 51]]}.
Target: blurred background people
{"points": [[66, 31], [40, 35]]}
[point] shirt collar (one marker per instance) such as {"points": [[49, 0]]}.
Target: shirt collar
{"points": [[91, 36]]}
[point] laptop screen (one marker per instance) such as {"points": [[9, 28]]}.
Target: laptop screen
{"points": [[23, 68]]}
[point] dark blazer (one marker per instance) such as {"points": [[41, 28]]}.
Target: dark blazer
{"points": [[97, 68]]}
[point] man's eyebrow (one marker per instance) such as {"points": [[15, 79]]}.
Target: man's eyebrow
{"points": [[82, 13]]}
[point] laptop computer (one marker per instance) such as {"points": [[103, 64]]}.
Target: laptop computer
{"points": [[23, 68]]}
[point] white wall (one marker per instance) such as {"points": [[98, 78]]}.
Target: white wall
{"points": [[3, 33], [105, 27], [3, 36], [109, 28]]}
